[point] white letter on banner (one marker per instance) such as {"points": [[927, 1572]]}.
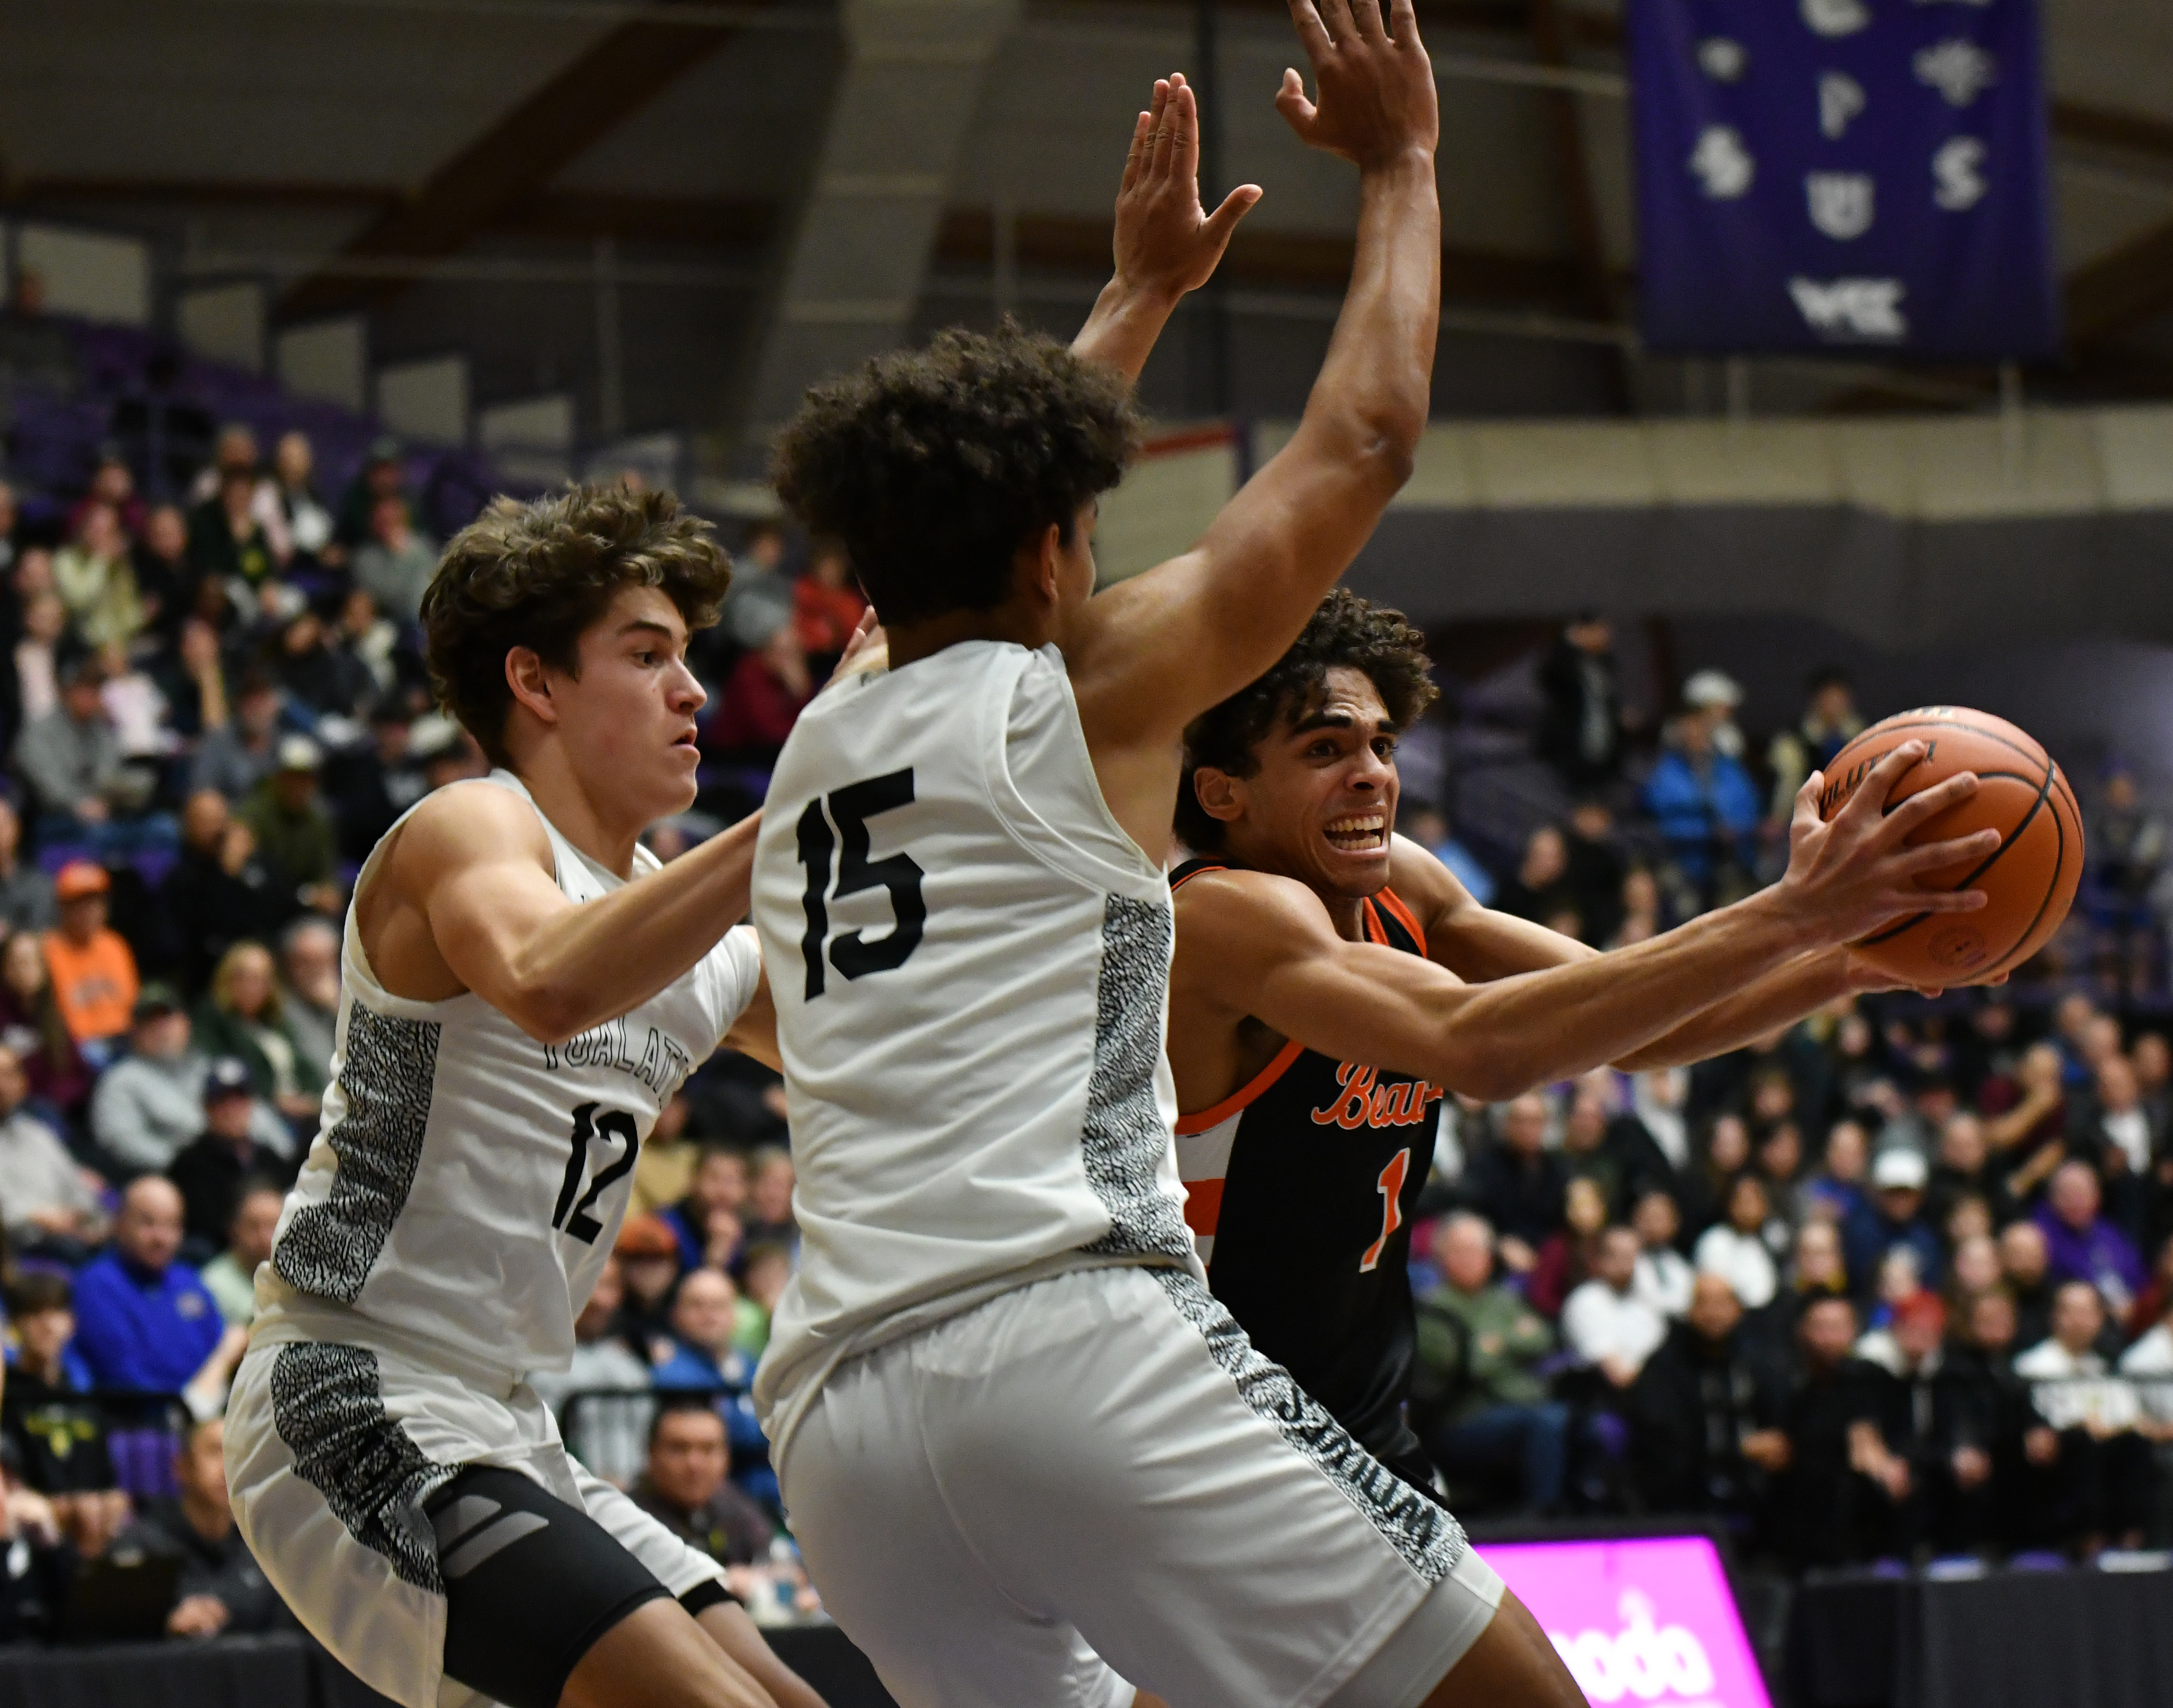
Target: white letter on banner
{"points": [[1840, 99], [1837, 17], [1852, 310], [1843, 204], [1957, 180], [1958, 69], [1722, 163], [1722, 59]]}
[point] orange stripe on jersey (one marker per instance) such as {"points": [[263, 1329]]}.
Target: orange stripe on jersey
{"points": [[1236, 1100], [1203, 1204], [1394, 903], [1376, 932], [1179, 883]]}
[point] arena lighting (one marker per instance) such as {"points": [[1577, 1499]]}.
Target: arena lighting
{"points": [[1648, 1621]]}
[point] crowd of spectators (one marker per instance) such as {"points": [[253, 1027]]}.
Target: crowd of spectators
{"points": [[212, 706], [1897, 1281]]}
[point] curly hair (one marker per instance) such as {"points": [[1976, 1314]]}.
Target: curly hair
{"points": [[931, 466], [537, 575], [1346, 631]]}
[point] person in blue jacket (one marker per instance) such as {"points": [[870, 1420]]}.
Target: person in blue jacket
{"points": [[144, 1321], [1700, 795]]}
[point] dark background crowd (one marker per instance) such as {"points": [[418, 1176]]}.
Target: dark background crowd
{"points": [[1893, 1283]]}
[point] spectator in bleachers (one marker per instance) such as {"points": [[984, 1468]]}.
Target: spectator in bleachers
{"points": [[759, 702], [227, 533], [1597, 870], [240, 1016], [372, 641], [2026, 1264], [2029, 1137], [235, 755], [318, 673], [1735, 1249], [113, 484], [383, 475], [31, 1026], [96, 582], [1478, 1398], [1580, 732], [1964, 1169], [26, 892], [71, 758], [49, 1200], [1430, 828], [2117, 1136], [219, 892], [309, 989], [1839, 1500], [649, 1260], [1829, 722], [760, 600], [2104, 1473], [766, 1269], [221, 1589], [684, 1486], [93, 969], [1705, 1414], [1972, 1268], [143, 1321], [770, 1181], [2081, 1245], [700, 1353], [603, 1359], [230, 1278], [1604, 1322], [159, 560], [1896, 1217], [211, 1169], [827, 607], [1517, 1184], [150, 1102], [1816, 1267], [294, 831], [1706, 806], [1999, 1417], [1564, 1258], [1541, 889], [718, 1190], [37, 1563], [309, 523], [57, 1429], [1664, 1279], [394, 564]]}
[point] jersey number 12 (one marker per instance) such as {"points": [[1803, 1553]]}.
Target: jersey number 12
{"points": [[611, 1124], [851, 808]]}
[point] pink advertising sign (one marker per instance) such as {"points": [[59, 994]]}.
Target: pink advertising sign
{"points": [[1638, 1623]]}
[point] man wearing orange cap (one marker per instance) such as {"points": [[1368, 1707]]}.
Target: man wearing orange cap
{"points": [[93, 971]]}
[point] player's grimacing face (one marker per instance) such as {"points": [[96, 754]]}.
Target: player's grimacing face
{"points": [[629, 717], [1324, 797]]}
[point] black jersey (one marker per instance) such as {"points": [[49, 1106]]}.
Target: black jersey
{"points": [[1300, 1190]]}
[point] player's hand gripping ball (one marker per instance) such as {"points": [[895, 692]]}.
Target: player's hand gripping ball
{"points": [[2030, 879]]}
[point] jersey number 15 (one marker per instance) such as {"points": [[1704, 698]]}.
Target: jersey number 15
{"points": [[850, 808]]}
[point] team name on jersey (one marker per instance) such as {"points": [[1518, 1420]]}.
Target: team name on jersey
{"points": [[661, 1066], [1367, 1102]]}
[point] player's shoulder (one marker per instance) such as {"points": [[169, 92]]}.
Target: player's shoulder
{"points": [[1249, 907], [1420, 882], [467, 823]]}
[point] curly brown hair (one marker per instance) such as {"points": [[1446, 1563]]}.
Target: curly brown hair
{"points": [[1345, 632], [537, 575], [931, 466]]}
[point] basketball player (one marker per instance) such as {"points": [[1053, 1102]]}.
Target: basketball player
{"points": [[525, 990], [1319, 1006]]}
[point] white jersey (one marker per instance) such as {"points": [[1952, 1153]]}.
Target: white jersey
{"points": [[970, 962], [468, 1182]]}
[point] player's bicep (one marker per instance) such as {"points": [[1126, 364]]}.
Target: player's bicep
{"points": [[1364, 1003], [754, 1032], [476, 865]]}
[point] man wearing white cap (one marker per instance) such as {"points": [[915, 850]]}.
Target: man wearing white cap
{"points": [[1706, 805], [294, 831], [1899, 1176]]}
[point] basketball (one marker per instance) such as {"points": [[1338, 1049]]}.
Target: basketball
{"points": [[2030, 879]]}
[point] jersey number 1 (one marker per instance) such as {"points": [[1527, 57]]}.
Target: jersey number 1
{"points": [[852, 807], [1390, 1186]]}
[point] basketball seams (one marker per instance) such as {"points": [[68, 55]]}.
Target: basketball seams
{"points": [[2053, 889]]}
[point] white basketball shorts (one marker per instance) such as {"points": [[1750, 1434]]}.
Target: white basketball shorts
{"points": [[330, 1452], [1095, 1482]]}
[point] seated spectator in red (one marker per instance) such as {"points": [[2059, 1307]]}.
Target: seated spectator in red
{"points": [[1705, 1414], [2105, 1477], [1603, 1321], [220, 1589], [685, 1487], [2156, 1298], [31, 1026], [2029, 1138], [93, 968], [827, 607], [26, 893], [210, 1171], [57, 1430], [1564, 1257], [1517, 1184], [720, 1188], [1839, 1500], [760, 702], [2081, 1245], [230, 1278], [2148, 1365], [114, 486], [49, 1200], [143, 1321]]}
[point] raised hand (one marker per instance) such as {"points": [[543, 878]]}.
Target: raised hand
{"points": [[1166, 244], [1852, 874], [1377, 91]]}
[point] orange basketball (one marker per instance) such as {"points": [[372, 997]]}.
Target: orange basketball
{"points": [[2030, 878]]}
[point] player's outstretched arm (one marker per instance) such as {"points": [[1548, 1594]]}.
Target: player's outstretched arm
{"points": [[1155, 651], [1278, 958], [1166, 244]]}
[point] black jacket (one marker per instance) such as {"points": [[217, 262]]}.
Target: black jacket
{"points": [[1690, 1409]]}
